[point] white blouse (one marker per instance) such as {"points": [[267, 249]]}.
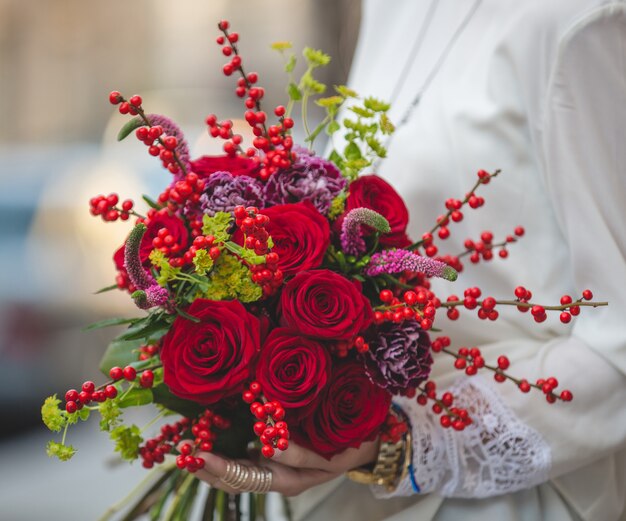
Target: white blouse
{"points": [[536, 88]]}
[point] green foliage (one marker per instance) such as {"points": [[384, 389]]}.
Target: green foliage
{"points": [[217, 226], [110, 415], [53, 417], [346, 92], [315, 58], [202, 262], [135, 397], [58, 450], [167, 272], [110, 322], [130, 125], [230, 279], [291, 64], [127, 440], [337, 206], [281, 46]]}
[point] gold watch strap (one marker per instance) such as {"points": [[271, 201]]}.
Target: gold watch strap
{"points": [[391, 465]]}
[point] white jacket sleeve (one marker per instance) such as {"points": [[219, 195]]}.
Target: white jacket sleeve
{"points": [[519, 440]]}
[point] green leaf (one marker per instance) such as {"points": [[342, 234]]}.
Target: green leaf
{"points": [[130, 125], [291, 64], [164, 397], [311, 85], [376, 105], [360, 111], [346, 92], [151, 202], [294, 92], [315, 58], [331, 101], [332, 127], [316, 132], [352, 152], [135, 397], [336, 158], [107, 288], [386, 126], [154, 325], [281, 46], [108, 322], [119, 353], [187, 316]]}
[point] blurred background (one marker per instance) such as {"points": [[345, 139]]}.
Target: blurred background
{"points": [[58, 61]]}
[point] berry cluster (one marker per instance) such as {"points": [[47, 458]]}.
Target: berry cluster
{"points": [[454, 214], [153, 136], [187, 190], [455, 417], [483, 249], [147, 352], [393, 429], [274, 142], [75, 400], [154, 450], [106, 207], [271, 428], [420, 304], [252, 224], [342, 348], [129, 373], [471, 360]]}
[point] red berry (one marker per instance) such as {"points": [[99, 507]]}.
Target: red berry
{"points": [[116, 373], [524, 386], [519, 231], [565, 317], [503, 362], [267, 451], [115, 97], [282, 444], [135, 101], [587, 294], [129, 373], [71, 407], [223, 25], [110, 391], [89, 387], [566, 395], [71, 395]]}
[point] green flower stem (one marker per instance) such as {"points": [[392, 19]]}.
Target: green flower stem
{"points": [[169, 515], [113, 509], [64, 433], [153, 421]]}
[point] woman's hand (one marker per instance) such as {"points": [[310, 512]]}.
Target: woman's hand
{"points": [[294, 470]]}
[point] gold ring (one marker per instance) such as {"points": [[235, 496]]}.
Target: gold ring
{"points": [[247, 479]]}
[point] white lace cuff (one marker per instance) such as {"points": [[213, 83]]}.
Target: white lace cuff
{"points": [[495, 455]]}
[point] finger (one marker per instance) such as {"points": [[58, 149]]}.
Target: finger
{"points": [[297, 456], [291, 481]]}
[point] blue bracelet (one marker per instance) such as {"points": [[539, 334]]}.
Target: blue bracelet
{"points": [[414, 484]]}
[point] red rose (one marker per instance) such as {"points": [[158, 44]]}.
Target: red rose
{"points": [[301, 236], [370, 191], [209, 360], [350, 411], [293, 370], [323, 304], [206, 165], [175, 227]]}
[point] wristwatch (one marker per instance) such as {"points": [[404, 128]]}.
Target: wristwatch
{"points": [[391, 465]]}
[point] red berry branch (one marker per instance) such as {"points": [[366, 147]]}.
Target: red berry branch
{"points": [[486, 307], [76, 400], [149, 134], [106, 207], [273, 141], [471, 361], [453, 214], [271, 428]]}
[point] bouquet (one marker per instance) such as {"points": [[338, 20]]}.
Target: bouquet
{"points": [[283, 298]]}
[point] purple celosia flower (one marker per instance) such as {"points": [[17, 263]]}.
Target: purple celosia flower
{"points": [[310, 178], [352, 241], [172, 129], [399, 357], [149, 293], [397, 261], [223, 191]]}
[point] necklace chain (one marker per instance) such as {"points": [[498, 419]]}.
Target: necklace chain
{"points": [[415, 50]]}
